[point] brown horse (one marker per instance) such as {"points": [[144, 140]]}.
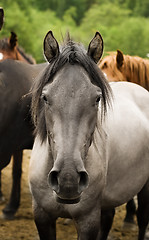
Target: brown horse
{"points": [[9, 49], [120, 67]]}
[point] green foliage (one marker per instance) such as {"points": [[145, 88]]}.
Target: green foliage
{"points": [[129, 37], [69, 16], [102, 18], [130, 4], [105, 15], [119, 29], [124, 24], [142, 8]]}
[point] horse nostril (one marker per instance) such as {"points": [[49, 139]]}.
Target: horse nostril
{"points": [[53, 180], [84, 180], [66, 184]]}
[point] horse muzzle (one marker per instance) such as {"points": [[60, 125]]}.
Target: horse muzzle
{"points": [[68, 186]]}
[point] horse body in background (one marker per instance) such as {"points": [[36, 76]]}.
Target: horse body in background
{"points": [[16, 127], [87, 157], [120, 67]]}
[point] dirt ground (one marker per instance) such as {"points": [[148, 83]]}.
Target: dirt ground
{"points": [[23, 227]]}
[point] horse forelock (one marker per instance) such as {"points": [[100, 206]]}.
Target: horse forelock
{"points": [[71, 53], [75, 53]]}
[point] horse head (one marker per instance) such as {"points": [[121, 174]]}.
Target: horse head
{"points": [[9, 49], [112, 65], [65, 102]]}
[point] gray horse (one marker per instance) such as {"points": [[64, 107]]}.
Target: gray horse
{"points": [[91, 148]]}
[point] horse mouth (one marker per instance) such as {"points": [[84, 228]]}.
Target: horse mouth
{"points": [[68, 201]]}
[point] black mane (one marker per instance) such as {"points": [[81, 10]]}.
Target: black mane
{"points": [[72, 53]]}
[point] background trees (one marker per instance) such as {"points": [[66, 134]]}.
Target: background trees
{"points": [[124, 24]]}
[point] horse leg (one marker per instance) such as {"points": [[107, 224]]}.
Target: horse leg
{"points": [[46, 226], [143, 211], [130, 212], [88, 226], [2, 199], [5, 160], [14, 201], [106, 222]]}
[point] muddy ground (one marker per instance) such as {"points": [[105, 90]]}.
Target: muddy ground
{"points": [[23, 227]]}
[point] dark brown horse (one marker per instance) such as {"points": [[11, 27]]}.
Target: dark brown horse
{"points": [[16, 126], [9, 49]]}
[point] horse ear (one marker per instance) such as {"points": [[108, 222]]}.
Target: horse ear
{"points": [[51, 47], [13, 40], [119, 58], [95, 48], [1, 17]]}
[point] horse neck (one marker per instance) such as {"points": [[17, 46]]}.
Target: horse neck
{"points": [[136, 70]]}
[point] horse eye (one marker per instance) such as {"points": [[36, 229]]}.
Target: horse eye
{"points": [[44, 98], [98, 99], [105, 65]]}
